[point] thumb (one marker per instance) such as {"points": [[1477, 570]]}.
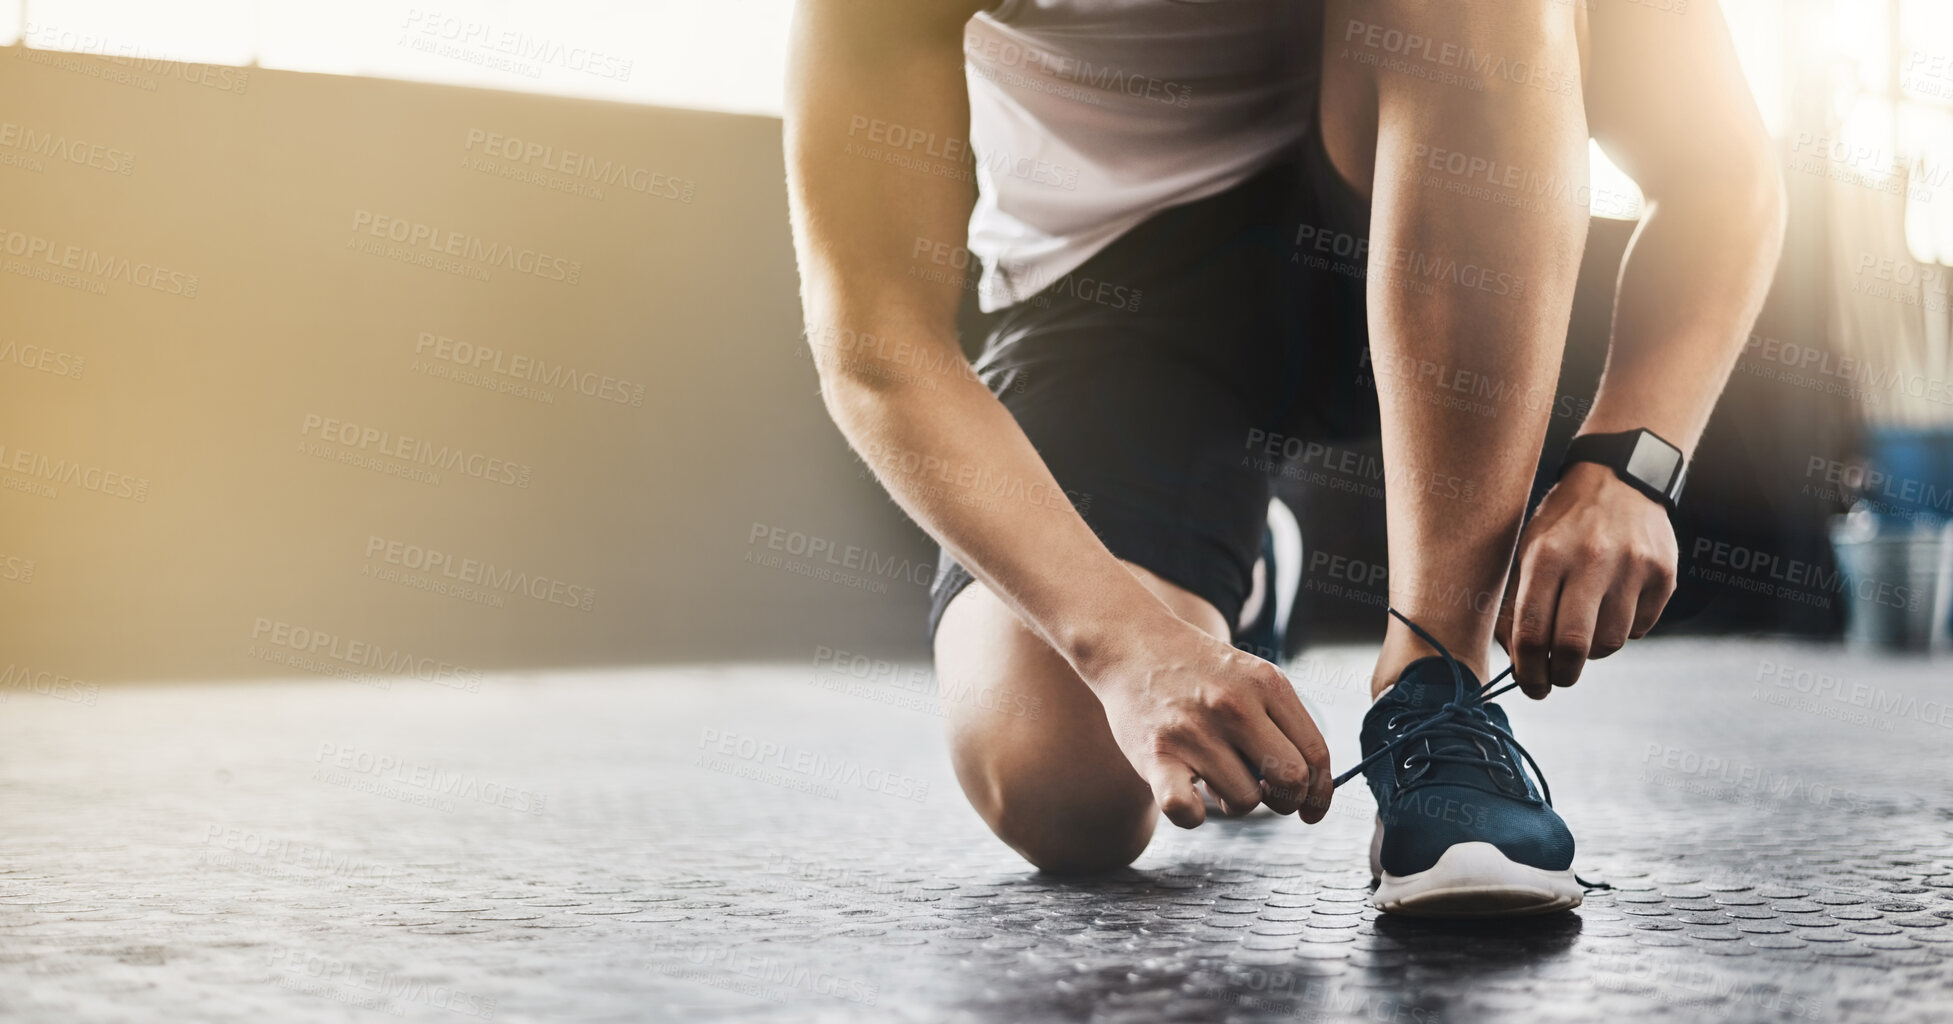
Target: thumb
{"points": [[1173, 789], [1502, 626]]}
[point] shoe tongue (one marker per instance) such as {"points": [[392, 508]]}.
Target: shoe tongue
{"points": [[1427, 684]]}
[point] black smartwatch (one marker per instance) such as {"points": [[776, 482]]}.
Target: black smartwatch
{"points": [[1639, 457]]}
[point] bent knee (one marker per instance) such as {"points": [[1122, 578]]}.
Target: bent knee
{"points": [[1050, 781], [1063, 819], [1067, 811], [1072, 837]]}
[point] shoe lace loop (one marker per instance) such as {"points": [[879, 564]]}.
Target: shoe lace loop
{"points": [[1463, 717]]}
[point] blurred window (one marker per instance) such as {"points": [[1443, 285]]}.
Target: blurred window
{"points": [[725, 55]]}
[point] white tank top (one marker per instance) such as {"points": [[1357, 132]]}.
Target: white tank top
{"points": [[1088, 116]]}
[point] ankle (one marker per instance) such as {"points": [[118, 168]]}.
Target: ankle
{"points": [[1469, 642]]}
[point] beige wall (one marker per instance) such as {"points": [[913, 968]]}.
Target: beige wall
{"points": [[205, 384]]}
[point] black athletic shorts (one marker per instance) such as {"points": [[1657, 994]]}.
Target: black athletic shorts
{"points": [[1164, 379]]}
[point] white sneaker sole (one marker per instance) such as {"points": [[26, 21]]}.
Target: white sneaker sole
{"points": [[1474, 880], [1286, 531]]}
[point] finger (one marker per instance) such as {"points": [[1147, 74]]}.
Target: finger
{"points": [[1286, 711], [1228, 778], [1322, 789], [1502, 626], [1615, 620], [1532, 624], [1574, 618], [1651, 601], [1173, 789], [1284, 775]]}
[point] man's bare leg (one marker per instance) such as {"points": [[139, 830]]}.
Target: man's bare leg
{"points": [[1043, 771], [1461, 291]]}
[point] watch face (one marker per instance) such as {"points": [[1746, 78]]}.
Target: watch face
{"points": [[1654, 462]]}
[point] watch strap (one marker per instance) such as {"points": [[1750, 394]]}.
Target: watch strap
{"points": [[1615, 451]]}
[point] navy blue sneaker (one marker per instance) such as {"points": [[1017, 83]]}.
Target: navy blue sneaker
{"points": [[1462, 831]]}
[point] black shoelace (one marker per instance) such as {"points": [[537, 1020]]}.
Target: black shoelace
{"points": [[1462, 718]]}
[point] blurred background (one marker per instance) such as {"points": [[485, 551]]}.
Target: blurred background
{"points": [[369, 339]]}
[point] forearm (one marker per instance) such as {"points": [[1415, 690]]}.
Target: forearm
{"points": [[1469, 299], [1471, 295], [945, 448], [1667, 101], [1670, 105], [958, 464], [1692, 284]]}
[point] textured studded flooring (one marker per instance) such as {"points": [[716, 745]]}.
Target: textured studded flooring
{"points": [[787, 843]]}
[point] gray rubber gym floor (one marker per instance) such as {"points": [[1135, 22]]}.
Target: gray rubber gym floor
{"points": [[776, 843]]}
